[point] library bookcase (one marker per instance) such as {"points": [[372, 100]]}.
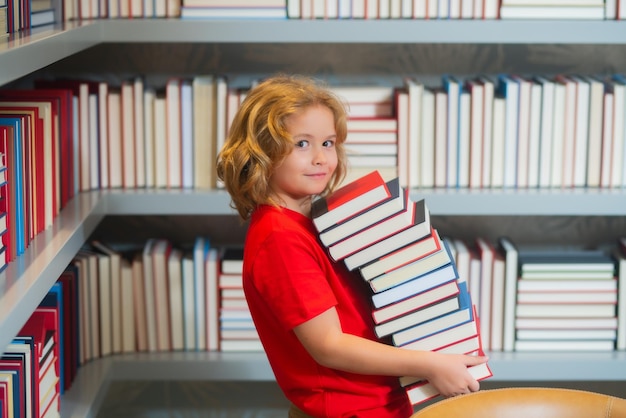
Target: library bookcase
{"points": [[358, 51]]}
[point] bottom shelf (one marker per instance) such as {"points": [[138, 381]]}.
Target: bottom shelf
{"points": [[90, 386]]}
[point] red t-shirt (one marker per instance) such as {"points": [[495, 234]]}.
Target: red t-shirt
{"points": [[288, 279]]}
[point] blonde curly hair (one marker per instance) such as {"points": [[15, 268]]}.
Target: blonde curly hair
{"points": [[258, 140]]}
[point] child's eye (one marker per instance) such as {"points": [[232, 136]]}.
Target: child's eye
{"points": [[302, 143], [329, 143]]}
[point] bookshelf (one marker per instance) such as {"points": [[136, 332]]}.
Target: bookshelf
{"points": [[64, 49]]}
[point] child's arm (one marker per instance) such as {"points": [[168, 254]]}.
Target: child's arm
{"points": [[325, 341]]}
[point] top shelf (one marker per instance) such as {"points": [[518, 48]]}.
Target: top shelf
{"points": [[28, 51]]}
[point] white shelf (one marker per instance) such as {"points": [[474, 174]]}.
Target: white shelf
{"points": [[397, 31], [28, 51], [492, 202]]}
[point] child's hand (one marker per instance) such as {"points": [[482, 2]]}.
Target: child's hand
{"points": [[448, 373]]}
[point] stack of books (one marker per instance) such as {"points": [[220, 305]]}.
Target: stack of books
{"points": [[419, 302], [566, 300]]}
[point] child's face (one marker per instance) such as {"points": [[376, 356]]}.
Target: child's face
{"points": [[308, 168]]}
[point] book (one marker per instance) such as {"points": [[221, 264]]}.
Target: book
{"points": [[410, 253], [349, 200], [231, 260], [458, 317], [412, 212], [421, 227], [423, 390], [415, 302], [620, 255], [416, 285], [388, 207], [413, 270], [572, 261]]}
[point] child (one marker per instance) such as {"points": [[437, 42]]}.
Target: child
{"points": [[285, 147]]}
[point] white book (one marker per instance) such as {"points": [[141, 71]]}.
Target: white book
{"points": [[534, 134], [607, 139], [189, 312], [221, 128], [127, 309], [139, 303], [558, 135], [486, 255], [426, 161], [160, 143], [523, 125], [115, 138], [403, 157], [497, 147], [149, 97], [175, 298], [581, 133], [149, 295], [94, 175], [104, 304], [173, 130], [510, 89], [619, 132], [212, 300], [441, 138], [508, 249], [83, 148], [594, 152], [569, 134], [204, 128], [103, 134], [415, 90], [477, 138], [128, 136], [497, 302], [452, 86], [463, 145], [546, 133], [139, 134], [186, 128], [115, 303]]}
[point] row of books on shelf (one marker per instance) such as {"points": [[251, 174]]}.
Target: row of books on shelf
{"points": [[450, 9], [22, 14], [35, 368], [18, 15]]}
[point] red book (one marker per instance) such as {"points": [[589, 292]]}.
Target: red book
{"points": [[379, 230], [415, 302], [40, 157], [349, 200], [377, 213], [417, 250], [62, 130], [69, 281]]}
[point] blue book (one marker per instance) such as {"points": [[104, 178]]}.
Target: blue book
{"points": [[417, 285], [17, 170]]}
